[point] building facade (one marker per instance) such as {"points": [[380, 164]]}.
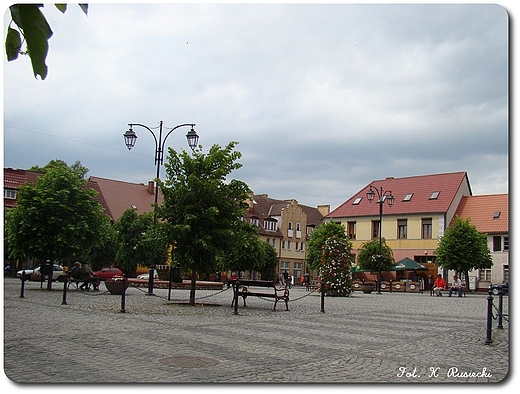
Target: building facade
{"points": [[286, 225]]}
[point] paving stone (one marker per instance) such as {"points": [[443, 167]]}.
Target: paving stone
{"points": [[366, 338]]}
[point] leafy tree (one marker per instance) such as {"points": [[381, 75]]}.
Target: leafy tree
{"points": [[318, 239], [247, 251], [103, 252], [54, 218], [138, 241], [77, 167], [36, 32], [370, 257], [201, 208], [336, 264], [270, 262], [463, 248]]}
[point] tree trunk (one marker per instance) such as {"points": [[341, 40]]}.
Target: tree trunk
{"points": [[192, 289]]}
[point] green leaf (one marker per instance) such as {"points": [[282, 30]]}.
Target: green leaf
{"points": [[84, 7], [13, 43], [61, 7], [37, 32]]}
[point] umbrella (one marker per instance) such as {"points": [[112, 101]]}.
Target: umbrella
{"points": [[407, 264]]}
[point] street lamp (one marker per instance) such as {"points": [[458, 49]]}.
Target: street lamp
{"points": [[130, 140], [382, 197]]}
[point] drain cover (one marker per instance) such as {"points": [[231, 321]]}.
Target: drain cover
{"points": [[189, 361]]}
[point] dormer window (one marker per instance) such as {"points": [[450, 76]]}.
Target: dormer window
{"points": [[434, 195], [408, 197]]}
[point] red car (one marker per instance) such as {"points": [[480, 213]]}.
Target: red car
{"points": [[108, 273]]}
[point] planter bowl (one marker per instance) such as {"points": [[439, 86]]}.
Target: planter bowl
{"points": [[116, 286]]}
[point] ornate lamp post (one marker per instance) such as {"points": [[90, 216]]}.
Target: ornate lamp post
{"points": [[130, 139], [382, 197]]}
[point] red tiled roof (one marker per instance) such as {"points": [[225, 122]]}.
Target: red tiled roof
{"points": [[482, 209], [118, 196], [422, 188]]}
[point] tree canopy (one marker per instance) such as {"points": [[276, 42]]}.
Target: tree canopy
{"points": [[371, 258], [463, 248], [138, 241], [54, 218], [318, 239], [202, 210]]}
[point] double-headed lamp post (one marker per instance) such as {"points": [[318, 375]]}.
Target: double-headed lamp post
{"points": [[130, 139], [382, 197]]}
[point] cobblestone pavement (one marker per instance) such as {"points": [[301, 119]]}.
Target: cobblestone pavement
{"points": [[367, 338]]}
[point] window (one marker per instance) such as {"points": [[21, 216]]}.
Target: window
{"points": [[289, 229], [401, 228], [506, 244], [9, 193], [357, 201], [284, 265], [255, 221], [484, 274], [298, 230], [496, 215], [497, 243], [426, 231], [270, 225], [434, 195], [288, 245], [408, 197], [351, 230], [375, 229]]}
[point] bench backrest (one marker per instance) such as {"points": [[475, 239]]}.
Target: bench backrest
{"points": [[258, 283]]}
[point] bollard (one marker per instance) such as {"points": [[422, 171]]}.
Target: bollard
{"points": [[65, 283], [489, 317], [500, 298], [123, 294], [235, 296], [23, 284], [390, 285], [322, 296]]}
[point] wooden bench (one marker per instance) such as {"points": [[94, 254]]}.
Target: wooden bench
{"points": [[76, 280], [241, 288]]}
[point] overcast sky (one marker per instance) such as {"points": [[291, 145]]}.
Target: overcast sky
{"points": [[322, 99]]}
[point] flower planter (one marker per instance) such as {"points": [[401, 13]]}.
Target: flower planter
{"points": [[116, 286], [367, 289]]}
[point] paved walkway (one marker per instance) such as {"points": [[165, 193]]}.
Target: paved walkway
{"points": [[367, 338]]}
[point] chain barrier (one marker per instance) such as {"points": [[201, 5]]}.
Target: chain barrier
{"points": [[498, 316], [183, 299]]}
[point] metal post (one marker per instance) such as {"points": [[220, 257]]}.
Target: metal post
{"points": [[322, 296], [489, 317], [235, 296], [123, 294], [390, 285], [23, 285], [65, 282], [170, 283], [500, 298]]}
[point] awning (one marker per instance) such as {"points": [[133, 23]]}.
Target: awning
{"points": [[407, 264]]}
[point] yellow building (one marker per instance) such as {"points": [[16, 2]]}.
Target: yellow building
{"points": [[421, 210], [286, 225]]}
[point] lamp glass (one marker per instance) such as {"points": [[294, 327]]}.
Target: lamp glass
{"points": [[130, 139], [193, 138]]}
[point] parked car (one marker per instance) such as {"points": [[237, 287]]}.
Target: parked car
{"points": [[146, 275], [34, 274], [496, 288], [108, 273]]}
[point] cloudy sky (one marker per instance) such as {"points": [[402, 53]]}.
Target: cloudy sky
{"points": [[322, 99]]}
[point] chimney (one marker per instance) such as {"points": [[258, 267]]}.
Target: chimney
{"points": [[324, 209], [151, 187]]}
